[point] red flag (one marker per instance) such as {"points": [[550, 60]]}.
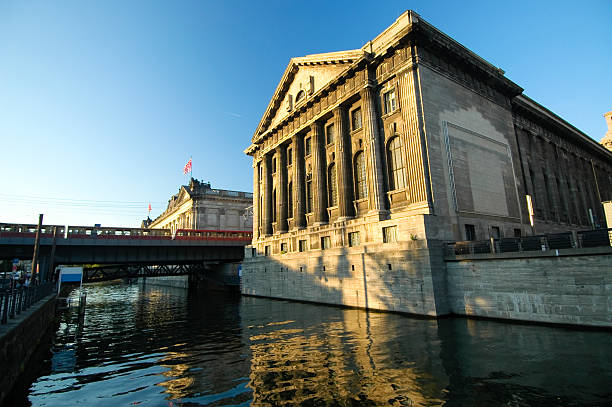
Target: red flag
{"points": [[187, 167], [149, 207]]}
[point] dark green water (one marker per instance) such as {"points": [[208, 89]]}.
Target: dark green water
{"points": [[156, 346]]}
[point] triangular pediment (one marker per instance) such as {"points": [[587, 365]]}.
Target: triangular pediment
{"points": [[304, 77], [183, 194]]}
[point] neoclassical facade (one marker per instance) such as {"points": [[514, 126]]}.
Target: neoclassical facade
{"points": [[198, 206], [366, 160]]}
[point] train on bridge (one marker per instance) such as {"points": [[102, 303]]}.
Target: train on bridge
{"points": [[99, 232]]}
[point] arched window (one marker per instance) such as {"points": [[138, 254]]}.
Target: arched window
{"points": [[361, 184], [332, 186], [300, 96], [395, 162]]}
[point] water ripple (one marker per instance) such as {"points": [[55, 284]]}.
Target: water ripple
{"points": [[154, 346]]}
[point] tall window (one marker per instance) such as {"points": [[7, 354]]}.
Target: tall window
{"points": [[307, 149], [390, 101], [289, 156], [274, 165], [395, 162], [361, 185], [290, 199], [356, 119], [329, 132], [332, 186]]}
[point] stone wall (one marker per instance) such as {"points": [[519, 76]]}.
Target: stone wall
{"points": [[19, 341], [401, 277], [168, 281], [574, 287], [571, 286]]}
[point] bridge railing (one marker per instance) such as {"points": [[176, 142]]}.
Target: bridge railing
{"points": [[15, 300], [552, 241]]}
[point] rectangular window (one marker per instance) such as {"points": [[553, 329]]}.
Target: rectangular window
{"points": [[273, 165], [302, 245], [283, 247], [354, 239], [253, 252], [289, 156], [325, 243], [517, 233], [329, 132], [495, 233], [266, 250], [356, 119], [390, 101], [307, 149], [470, 232], [390, 234]]}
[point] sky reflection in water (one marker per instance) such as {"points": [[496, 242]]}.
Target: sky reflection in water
{"points": [[157, 346]]}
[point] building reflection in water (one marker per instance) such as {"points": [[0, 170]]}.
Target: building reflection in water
{"points": [[153, 346], [357, 357]]}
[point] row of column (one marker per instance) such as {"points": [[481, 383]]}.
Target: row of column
{"points": [[563, 187], [274, 200]]}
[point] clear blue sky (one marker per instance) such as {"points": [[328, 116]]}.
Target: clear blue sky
{"points": [[102, 103]]}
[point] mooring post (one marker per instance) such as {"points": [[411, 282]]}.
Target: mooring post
{"points": [[36, 245]]}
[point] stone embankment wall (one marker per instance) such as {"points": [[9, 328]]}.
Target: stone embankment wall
{"points": [[572, 286], [19, 340], [168, 281], [401, 277]]}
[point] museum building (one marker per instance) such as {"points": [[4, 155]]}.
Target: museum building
{"points": [[366, 161], [201, 207]]}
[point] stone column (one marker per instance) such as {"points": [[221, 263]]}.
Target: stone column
{"points": [[255, 200], [376, 188], [319, 174], [266, 185], [281, 189], [344, 166], [299, 193]]}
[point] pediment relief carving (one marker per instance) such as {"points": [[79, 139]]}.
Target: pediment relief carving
{"points": [[304, 77]]}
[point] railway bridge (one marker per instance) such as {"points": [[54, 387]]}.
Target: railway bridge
{"points": [[123, 252]]}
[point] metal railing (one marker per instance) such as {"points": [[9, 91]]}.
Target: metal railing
{"points": [[552, 241], [15, 300]]}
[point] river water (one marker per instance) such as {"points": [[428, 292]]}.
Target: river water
{"points": [[155, 346]]}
